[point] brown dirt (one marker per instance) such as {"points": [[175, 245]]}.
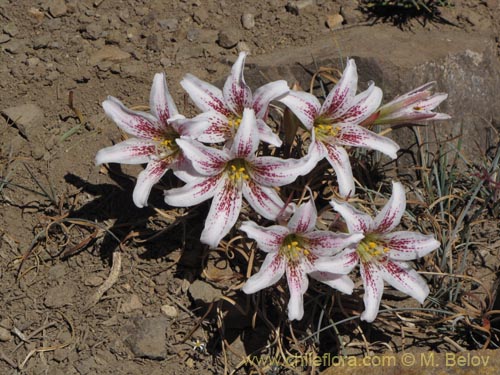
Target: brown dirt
{"points": [[60, 213]]}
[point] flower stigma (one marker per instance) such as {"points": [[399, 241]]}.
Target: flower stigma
{"points": [[325, 129], [292, 249], [237, 171], [166, 145], [370, 249]]}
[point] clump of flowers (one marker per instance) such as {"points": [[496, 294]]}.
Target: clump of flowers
{"points": [[218, 156]]}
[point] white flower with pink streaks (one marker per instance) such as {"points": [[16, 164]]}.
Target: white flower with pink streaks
{"points": [[413, 107], [232, 173], [153, 138], [294, 250], [382, 253], [223, 109], [335, 124]]}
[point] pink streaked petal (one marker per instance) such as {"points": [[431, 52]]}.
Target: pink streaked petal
{"points": [[139, 124], [342, 283], [357, 136], [304, 218], [357, 221], [342, 263], [273, 171], [361, 107], [304, 105], [204, 95], [196, 191], [405, 115], [264, 200], [183, 169], [193, 127], [266, 94], [267, 135], [407, 245], [327, 244], [218, 129], [432, 102], [416, 95], [391, 214], [161, 104], [405, 279], [269, 239], [374, 288], [341, 96], [246, 139], [146, 179], [130, 151], [270, 272], [224, 212], [339, 159], [236, 93], [205, 160], [297, 284]]}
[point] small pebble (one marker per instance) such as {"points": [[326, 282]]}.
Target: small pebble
{"points": [[248, 21]]}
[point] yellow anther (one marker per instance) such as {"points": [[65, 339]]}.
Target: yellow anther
{"points": [[386, 249], [289, 246], [241, 170], [306, 252], [233, 168], [372, 245], [417, 108], [295, 243]]}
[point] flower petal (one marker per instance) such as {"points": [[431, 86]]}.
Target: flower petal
{"points": [[236, 93], [218, 129], [297, 284], [374, 288], [266, 94], [193, 127], [357, 221], [146, 179], [391, 214], [361, 107], [273, 171], [304, 105], [342, 283], [196, 191], [130, 151], [161, 104], [304, 218], [268, 239], [405, 279], [264, 200], [357, 136], [407, 245], [246, 139], [326, 243], [207, 161], [204, 95], [341, 96], [342, 263], [223, 213], [270, 272], [136, 123], [267, 135], [339, 160]]}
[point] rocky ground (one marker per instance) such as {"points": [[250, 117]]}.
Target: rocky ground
{"points": [[62, 218]]}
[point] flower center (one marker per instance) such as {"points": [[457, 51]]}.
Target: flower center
{"points": [[237, 170], [234, 122], [370, 248], [166, 145], [325, 129], [292, 249]]}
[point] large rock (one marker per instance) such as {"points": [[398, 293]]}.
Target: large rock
{"points": [[464, 65]]}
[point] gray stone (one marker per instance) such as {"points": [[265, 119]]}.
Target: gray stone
{"points": [[193, 35], [296, 7], [200, 16], [153, 43], [147, 339], [243, 47], [41, 41], [5, 335], [464, 66], [59, 296], [14, 46], [27, 118], [11, 29], [57, 8], [108, 53], [133, 303], [248, 21], [228, 38], [92, 31], [170, 24], [4, 38], [204, 292]]}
